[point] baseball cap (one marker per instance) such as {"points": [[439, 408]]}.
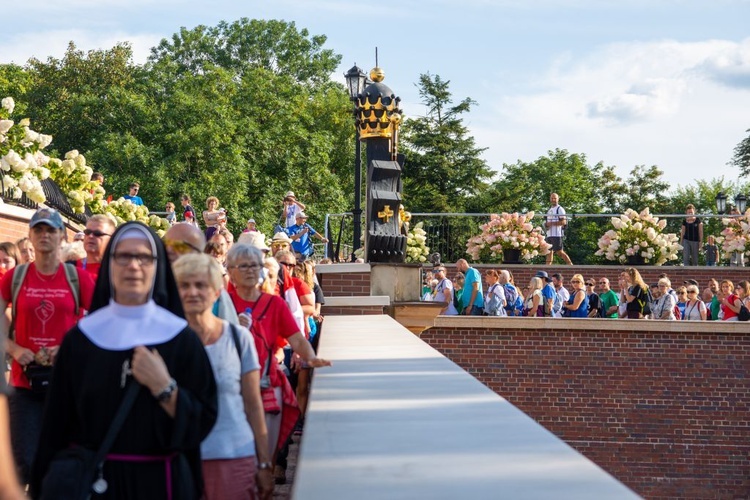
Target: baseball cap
{"points": [[690, 282], [301, 215], [251, 220], [48, 216], [289, 194], [543, 275]]}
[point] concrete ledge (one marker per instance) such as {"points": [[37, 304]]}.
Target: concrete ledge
{"points": [[341, 268], [371, 300], [593, 324], [395, 419]]}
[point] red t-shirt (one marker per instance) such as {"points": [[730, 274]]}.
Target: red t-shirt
{"points": [[45, 311], [278, 322], [728, 313], [90, 267]]}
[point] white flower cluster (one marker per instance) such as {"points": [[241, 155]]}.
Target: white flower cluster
{"points": [[639, 235], [416, 244], [507, 232], [123, 210], [736, 234]]}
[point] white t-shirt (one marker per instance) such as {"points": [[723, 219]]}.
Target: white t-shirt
{"points": [[553, 215], [444, 292], [291, 214], [231, 436], [564, 296]]}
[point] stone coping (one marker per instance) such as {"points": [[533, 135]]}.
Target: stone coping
{"points": [[592, 324], [367, 300], [342, 268], [395, 419]]}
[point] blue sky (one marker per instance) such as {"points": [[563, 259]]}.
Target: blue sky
{"points": [[660, 82]]}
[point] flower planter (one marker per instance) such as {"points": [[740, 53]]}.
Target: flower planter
{"points": [[635, 260], [511, 256]]}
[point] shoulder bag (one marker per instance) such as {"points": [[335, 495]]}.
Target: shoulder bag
{"points": [[77, 471]]}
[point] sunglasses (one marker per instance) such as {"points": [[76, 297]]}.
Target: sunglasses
{"points": [[288, 264], [575, 281], [180, 246], [95, 232]]}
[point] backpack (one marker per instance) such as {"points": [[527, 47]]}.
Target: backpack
{"points": [[744, 314], [513, 301], [19, 274], [493, 306]]}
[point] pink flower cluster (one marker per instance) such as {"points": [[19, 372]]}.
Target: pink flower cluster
{"points": [[737, 234], [507, 231], [639, 234]]}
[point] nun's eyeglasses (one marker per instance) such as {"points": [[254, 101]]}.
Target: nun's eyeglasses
{"points": [[124, 259]]}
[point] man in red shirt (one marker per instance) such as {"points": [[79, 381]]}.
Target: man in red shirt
{"points": [[99, 229], [45, 310]]}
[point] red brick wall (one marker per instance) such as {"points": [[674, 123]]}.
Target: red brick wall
{"points": [[667, 413], [14, 228], [345, 284]]}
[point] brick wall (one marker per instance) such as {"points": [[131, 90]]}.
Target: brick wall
{"points": [[665, 408], [344, 284], [350, 310], [14, 223]]}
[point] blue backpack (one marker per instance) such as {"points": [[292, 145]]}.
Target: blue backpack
{"points": [[493, 306], [513, 300]]}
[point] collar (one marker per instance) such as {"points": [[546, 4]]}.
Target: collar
{"points": [[117, 327]]}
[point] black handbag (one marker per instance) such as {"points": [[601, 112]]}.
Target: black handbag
{"points": [[39, 377], [75, 472]]}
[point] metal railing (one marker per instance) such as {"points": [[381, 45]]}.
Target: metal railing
{"points": [[448, 233], [55, 199]]}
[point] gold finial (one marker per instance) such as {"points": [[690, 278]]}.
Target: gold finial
{"points": [[377, 74]]}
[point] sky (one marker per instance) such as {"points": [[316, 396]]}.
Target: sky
{"points": [[627, 83]]}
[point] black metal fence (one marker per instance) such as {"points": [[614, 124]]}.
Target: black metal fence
{"points": [[55, 199]]}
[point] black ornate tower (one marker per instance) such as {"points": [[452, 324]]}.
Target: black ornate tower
{"points": [[378, 119]]}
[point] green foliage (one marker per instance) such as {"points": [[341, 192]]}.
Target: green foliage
{"points": [[443, 167], [741, 158]]}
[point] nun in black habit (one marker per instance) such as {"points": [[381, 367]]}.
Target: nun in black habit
{"points": [[135, 332]]}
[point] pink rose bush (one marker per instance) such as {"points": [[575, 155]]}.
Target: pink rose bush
{"points": [[506, 232], [736, 234], [639, 234]]}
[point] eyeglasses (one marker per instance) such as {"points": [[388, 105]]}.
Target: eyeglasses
{"points": [[95, 232], [590, 284], [180, 246], [124, 259], [288, 264], [603, 282], [692, 291], [575, 281], [245, 267]]}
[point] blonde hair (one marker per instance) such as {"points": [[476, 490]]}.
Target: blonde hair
{"points": [[269, 284], [193, 264], [535, 284]]}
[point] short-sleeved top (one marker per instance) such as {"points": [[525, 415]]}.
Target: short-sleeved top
{"points": [[90, 267], [693, 311], [320, 298], [662, 305], [691, 229], [715, 308], [136, 200], [609, 299], [728, 313], [444, 293], [303, 245], [278, 320], [548, 292], [45, 310], [636, 305], [188, 211], [472, 276], [231, 436], [553, 215], [291, 214]]}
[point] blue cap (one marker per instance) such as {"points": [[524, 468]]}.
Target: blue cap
{"points": [[48, 216], [543, 275]]}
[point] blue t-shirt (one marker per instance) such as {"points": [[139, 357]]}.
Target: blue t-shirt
{"points": [[472, 276], [303, 245], [583, 309], [135, 199], [231, 436], [548, 292]]}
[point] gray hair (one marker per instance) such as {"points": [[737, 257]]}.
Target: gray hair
{"points": [[242, 251]]}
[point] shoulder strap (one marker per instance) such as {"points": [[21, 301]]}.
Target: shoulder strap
{"points": [[236, 338], [114, 427], [19, 274], [71, 274]]}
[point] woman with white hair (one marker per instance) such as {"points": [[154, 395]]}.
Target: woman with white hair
{"points": [[134, 344]]}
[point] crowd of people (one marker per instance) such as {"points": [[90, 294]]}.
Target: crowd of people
{"points": [[215, 340], [547, 296]]}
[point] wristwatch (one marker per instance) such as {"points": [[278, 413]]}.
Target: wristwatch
{"points": [[265, 465], [166, 393]]}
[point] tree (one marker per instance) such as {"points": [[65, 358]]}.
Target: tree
{"points": [[741, 157], [443, 167]]}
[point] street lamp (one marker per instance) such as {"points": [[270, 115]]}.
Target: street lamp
{"points": [[721, 202], [740, 201], [356, 79]]}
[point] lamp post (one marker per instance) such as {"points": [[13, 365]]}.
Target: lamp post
{"points": [[356, 80], [721, 202], [740, 201]]}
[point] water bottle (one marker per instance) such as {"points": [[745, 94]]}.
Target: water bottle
{"points": [[248, 313]]}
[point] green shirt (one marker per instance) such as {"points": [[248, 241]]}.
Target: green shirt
{"points": [[610, 299], [715, 308]]}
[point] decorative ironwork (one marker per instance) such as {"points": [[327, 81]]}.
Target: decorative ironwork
{"points": [[55, 199]]}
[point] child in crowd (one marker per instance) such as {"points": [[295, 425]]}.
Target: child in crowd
{"points": [[712, 251], [250, 228]]}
